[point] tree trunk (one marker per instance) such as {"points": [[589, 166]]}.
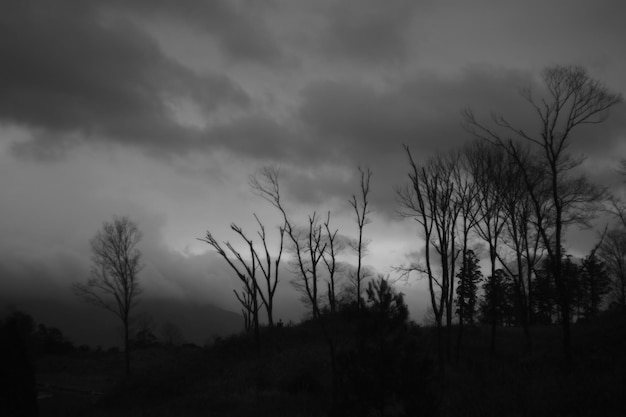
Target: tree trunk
{"points": [[126, 347], [494, 301]]}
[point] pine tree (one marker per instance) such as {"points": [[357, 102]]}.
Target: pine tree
{"points": [[469, 277], [595, 284]]}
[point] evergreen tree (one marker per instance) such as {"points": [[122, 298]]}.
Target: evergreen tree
{"points": [[595, 284], [504, 299], [469, 277]]}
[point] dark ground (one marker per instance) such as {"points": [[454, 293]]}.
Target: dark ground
{"points": [[290, 375]]}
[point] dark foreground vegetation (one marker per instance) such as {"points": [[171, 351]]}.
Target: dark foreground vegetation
{"points": [[385, 366]]}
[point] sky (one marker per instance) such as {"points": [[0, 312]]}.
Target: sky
{"points": [[162, 110]]}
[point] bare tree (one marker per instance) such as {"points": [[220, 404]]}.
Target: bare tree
{"points": [[429, 200], [487, 164], [308, 244], [116, 263], [246, 270], [334, 247], [465, 197], [573, 99], [270, 276], [361, 211]]}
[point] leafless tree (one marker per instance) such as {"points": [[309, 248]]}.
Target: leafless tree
{"points": [[487, 164], [362, 212], [114, 282], [269, 268], [334, 247], [308, 245], [465, 197], [246, 269], [246, 272], [429, 200], [573, 99]]}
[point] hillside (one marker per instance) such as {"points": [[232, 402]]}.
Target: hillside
{"points": [[86, 324], [290, 374]]}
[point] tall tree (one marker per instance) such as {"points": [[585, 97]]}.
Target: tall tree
{"points": [[114, 282], [487, 164], [362, 212], [309, 245], [465, 198], [572, 99], [498, 290], [467, 290], [246, 269], [429, 199]]}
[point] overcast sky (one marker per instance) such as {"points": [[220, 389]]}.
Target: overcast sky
{"points": [[160, 110]]}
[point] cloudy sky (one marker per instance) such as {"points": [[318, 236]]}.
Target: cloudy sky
{"points": [[160, 110]]}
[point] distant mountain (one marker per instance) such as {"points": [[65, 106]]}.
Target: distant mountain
{"points": [[197, 322], [87, 324]]}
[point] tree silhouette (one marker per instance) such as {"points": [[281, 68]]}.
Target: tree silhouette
{"points": [[361, 212], [114, 282], [572, 99], [467, 291], [429, 198], [595, 284], [487, 164], [246, 269], [18, 389], [385, 369]]}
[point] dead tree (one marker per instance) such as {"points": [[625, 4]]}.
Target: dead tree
{"points": [[245, 269], [429, 200], [309, 247], [466, 199], [572, 99], [486, 164], [333, 248], [114, 282], [361, 211]]}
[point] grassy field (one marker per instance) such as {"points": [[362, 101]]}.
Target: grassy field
{"points": [[290, 374]]}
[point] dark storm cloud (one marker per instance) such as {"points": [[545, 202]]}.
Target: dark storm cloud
{"points": [[355, 123], [68, 70], [255, 136], [361, 122], [369, 31], [238, 27]]}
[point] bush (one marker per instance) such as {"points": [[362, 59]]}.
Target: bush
{"points": [[385, 370]]}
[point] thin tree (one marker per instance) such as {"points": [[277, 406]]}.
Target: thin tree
{"points": [[309, 247], [334, 247], [114, 281], [269, 268], [573, 99], [251, 289], [307, 244], [429, 200], [466, 199], [246, 272], [518, 231], [487, 163], [361, 211]]}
